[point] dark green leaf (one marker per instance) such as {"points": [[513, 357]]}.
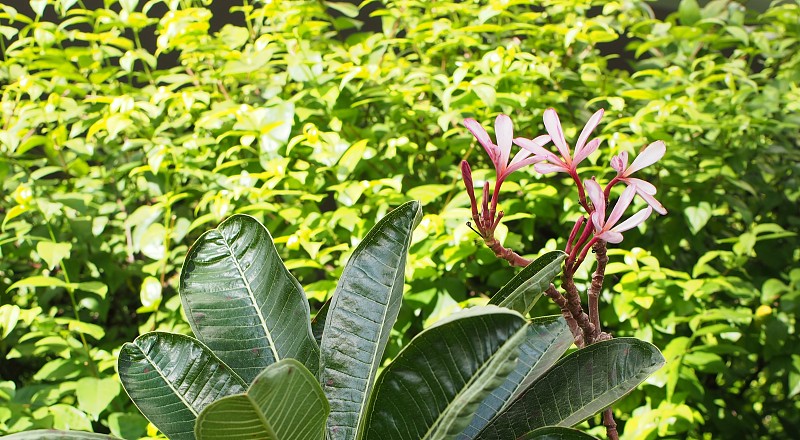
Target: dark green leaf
{"points": [[171, 378], [362, 312], [433, 387], [242, 302], [546, 340], [556, 433], [579, 386]]}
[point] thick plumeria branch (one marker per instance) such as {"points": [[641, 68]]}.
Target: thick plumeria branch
{"points": [[588, 233]]}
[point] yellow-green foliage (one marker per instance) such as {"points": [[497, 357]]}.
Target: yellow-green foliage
{"points": [[114, 161]]}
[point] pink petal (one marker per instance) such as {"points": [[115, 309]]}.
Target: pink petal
{"points": [[620, 162], [634, 220], [504, 133], [587, 130], [585, 152], [622, 204], [641, 185], [596, 196], [651, 201], [650, 155], [522, 163], [610, 236], [545, 168], [483, 138], [521, 154], [553, 126], [597, 220], [536, 146]]}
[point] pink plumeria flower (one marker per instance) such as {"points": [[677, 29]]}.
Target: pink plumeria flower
{"points": [[608, 229], [650, 155], [565, 162], [499, 153]]}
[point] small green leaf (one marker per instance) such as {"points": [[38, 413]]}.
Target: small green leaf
{"points": [[129, 5], [348, 9], [697, 216], [150, 293], [347, 163], [152, 241], [53, 253], [96, 287], [37, 281], [689, 12], [428, 193], [127, 425], [86, 328], [14, 212], [69, 418], [9, 316], [38, 6], [94, 395]]}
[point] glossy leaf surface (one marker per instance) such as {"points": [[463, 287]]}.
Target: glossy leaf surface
{"points": [[242, 302], [546, 340], [172, 377], [433, 387], [285, 402], [557, 433], [522, 292], [361, 315], [577, 387]]}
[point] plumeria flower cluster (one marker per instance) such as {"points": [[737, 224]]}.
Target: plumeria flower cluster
{"points": [[585, 234]]}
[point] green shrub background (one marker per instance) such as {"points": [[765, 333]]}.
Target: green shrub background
{"points": [[112, 165]]}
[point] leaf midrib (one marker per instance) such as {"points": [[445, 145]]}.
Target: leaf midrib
{"points": [[363, 402], [552, 268], [261, 318], [479, 374], [634, 378], [169, 384]]}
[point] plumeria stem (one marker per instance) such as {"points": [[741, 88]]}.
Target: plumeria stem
{"points": [[559, 299], [584, 252], [610, 424], [594, 316], [574, 305], [581, 192], [512, 257], [607, 190], [495, 198], [572, 259], [597, 286], [573, 233]]}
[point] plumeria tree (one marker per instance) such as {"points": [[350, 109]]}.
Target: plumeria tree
{"points": [[592, 231]]}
